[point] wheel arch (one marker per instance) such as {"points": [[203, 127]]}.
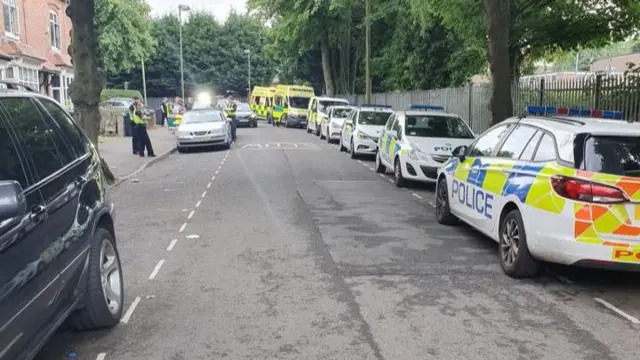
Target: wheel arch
{"points": [[507, 208], [105, 221]]}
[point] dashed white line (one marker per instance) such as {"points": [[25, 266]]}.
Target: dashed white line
{"points": [[389, 180], [213, 177], [191, 214], [611, 307], [127, 316], [382, 175], [198, 203], [208, 185], [101, 356], [359, 161], [217, 172], [418, 196], [172, 244], [156, 269], [182, 227], [204, 193], [432, 204]]}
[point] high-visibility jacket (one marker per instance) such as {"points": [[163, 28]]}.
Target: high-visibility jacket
{"points": [[166, 108], [136, 115], [231, 109]]}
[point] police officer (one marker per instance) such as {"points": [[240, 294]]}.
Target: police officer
{"points": [[231, 112], [143, 140], [166, 110], [135, 138]]}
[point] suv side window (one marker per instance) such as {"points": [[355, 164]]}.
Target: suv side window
{"points": [[10, 164], [78, 141], [486, 143], [517, 141], [546, 150], [48, 151]]}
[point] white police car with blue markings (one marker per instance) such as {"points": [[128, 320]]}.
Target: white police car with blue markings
{"points": [[557, 185], [361, 130], [417, 141]]}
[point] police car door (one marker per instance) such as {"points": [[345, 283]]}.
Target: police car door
{"points": [[469, 199], [396, 138], [347, 128], [385, 140]]}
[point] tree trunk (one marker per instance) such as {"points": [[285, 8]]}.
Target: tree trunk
{"points": [[326, 66], [497, 19], [88, 77]]}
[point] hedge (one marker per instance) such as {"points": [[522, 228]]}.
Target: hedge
{"points": [[121, 93]]}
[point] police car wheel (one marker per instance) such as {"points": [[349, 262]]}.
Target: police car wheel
{"points": [[397, 174], [443, 211], [515, 259], [380, 168], [322, 137]]}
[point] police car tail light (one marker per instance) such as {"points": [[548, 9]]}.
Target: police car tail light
{"points": [[587, 191]]}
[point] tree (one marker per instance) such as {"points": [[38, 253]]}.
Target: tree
{"points": [[498, 17]]}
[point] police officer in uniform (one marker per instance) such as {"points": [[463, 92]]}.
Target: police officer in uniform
{"points": [[231, 112], [143, 140], [166, 110], [135, 138]]}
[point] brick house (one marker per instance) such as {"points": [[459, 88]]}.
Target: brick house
{"points": [[34, 38]]}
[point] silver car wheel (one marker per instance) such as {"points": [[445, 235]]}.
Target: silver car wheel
{"points": [[510, 242], [110, 277]]}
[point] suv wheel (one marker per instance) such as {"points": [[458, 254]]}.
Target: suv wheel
{"points": [[443, 211], [104, 295], [515, 259]]}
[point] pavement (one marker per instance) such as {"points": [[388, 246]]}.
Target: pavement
{"points": [[118, 154], [285, 248]]}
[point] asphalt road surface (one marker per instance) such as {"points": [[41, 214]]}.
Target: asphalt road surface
{"points": [[285, 248]]}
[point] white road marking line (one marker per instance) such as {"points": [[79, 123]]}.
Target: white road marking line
{"points": [[370, 168], [198, 203], [219, 167], [432, 204], [185, 210], [617, 311], [101, 356], [182, 227], [172, 244], [156, 269], [191, 214], [359, 161], [217, 172], [213, 177], [193, 236], [127, 316], [382, 175], [204, 193], [418, 196], [390, 180], [208, 185]]}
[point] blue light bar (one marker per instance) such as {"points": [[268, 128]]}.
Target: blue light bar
{"points": [[426, 107], [573, 112], [376, 106]]}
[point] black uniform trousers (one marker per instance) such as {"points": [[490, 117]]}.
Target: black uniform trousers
{"points": [[234, 125], [144, 141], [135, 139]]}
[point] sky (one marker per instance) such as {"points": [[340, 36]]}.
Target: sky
{"points": [[219, 8]]}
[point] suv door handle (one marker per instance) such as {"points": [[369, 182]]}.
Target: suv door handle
{"points": [[37, 212]]}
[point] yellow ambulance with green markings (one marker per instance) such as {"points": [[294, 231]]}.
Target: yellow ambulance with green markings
{"points": [[261, 99], [291, 105]]}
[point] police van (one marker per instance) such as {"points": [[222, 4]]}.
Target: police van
{"points": [[361, 130], [416, 142], [556, 185]]}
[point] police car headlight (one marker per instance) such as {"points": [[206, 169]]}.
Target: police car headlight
{"points": [[183, 134], [415, 154], [363, 136]]}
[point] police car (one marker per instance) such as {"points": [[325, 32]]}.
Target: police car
{"points": [[557, 185], [416, 142], [361, 130], [331, 126]]}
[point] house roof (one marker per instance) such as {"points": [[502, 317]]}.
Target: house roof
{"points": [[614, 57], [19, 49], [59, 59]]}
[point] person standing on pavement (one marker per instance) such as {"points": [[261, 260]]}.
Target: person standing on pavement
{"points": [[166, 110], [231, 112], [144, 142], [135, 138]]}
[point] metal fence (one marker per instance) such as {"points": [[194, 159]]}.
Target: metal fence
{"points": [[596, 91]]}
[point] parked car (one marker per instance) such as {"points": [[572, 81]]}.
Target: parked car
{"points": [[58, 255], [245, 116], [203, 128]]}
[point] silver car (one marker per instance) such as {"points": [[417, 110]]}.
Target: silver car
{"points": [[203, 127]]}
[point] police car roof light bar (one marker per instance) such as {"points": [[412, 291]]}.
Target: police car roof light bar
{"points": [[573, 112], [426, 107], [376, 106]]}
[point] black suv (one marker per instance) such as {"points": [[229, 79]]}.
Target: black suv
{"points": [[58, 254]]}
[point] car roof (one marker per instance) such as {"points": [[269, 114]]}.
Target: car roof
{"points": [[429, 112], [578, 125], [376, 108], [331, 98]]}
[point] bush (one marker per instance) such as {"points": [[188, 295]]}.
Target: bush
{"points": [[122, 93]]}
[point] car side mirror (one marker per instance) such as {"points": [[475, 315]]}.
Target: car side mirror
{"points": [[12, 200], [460, 152]]}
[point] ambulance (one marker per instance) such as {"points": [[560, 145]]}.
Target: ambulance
{"points": [[260, 100], [291, 105]]}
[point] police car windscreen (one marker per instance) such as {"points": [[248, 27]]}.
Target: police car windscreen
{"points": [[202, 116], [299, 102], [374, 117], [341, 113], [614, 155], [434, 126]]}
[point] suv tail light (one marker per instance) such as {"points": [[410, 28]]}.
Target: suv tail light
{"points": [[587, 191]]}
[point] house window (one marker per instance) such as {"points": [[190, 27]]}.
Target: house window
{"points": [[25, 76], [54, 29], [10, 11]]}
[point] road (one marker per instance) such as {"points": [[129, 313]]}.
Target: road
{"points": [[285, 248]]}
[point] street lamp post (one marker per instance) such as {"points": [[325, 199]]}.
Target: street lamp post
{"points": [[248, 52], [181, 8]]}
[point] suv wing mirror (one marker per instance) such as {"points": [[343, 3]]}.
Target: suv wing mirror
{"points": [[12, 200]]}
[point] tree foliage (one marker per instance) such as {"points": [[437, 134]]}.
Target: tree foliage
{"points": [[124, 33], [214, 56]]}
